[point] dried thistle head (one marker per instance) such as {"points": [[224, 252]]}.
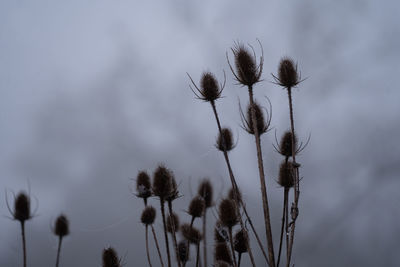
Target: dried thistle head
{"points": [[162, 184], [231, 195], [285, 146], [220, 233], [174, 193], [241, 241], [222, 253], [261, 123], [287, 73], [228, 213], [248, 72], [206, 192], [183, 251], [61, 227], [143, 185], [286, 174], [148, 215], [191, 234], [225, 140], [196, 207], [210, 90], [22, 207], [172, 223], [110, 258]]}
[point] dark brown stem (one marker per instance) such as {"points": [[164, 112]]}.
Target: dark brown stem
{"points": [[239, 258], [296, 182], [197, 254], [165, 232], [235, 190], [285, 193], [58, 251], [147, 245], [263, 187], [204, 238], [157, 246], [23, 241], [174, 233], [233, 250]]}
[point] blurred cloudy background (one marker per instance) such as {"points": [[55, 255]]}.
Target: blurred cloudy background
{"points": [[93, 91]]}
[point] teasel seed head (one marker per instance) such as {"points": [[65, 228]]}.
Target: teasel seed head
{"points": [[206, 192], [286, 174], [262, 124], [241, 241], [162, 184], [143, 185], [110, 258], [288, 75], [285, 146], [174, 194], [222, 253], [183, 251], [209, 89], [148, 215], [231, 195], [61, 227], [220, 233], [172, 219], [228, 213], [22, 207], [247, 71], [191, 233], [196, 207], [225, 140]]}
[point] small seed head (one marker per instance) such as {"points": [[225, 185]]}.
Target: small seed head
{"points": [[148, 215], [183, 251], [61, 228], [191, 234], [174, 194], [22, 207], [143, 185], [196, 207], [222, 253], [206, 192], [228, 213], [231, 195], [225, 140], [172, 223], [287, 73], [286, 174], [285, 146], [247, 71], [110, 258], [210, 90], [262, 126], [162, 184], [241, 241]]}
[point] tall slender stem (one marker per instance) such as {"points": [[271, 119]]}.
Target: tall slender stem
{"points": [[232, 249], [239, 258], [262, 181], [204, 238], [147, 245], [165, 232], [197, 254], [58, 251], [174, 233], [157, 246], [23, 241], [283, 224]]}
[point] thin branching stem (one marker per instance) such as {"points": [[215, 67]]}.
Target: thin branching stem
{"points": [[162, 202], [147, 245], [157, 246], [23, 241], [263, 187], [58, 251], [174, 233], [285, 193], [205, 237]]}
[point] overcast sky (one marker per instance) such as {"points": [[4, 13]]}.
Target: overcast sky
{"points": [[93, 91]]}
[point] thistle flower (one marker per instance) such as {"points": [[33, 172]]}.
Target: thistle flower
{"points": [[183, 251], [196, 207], [286, 174], [287, 74], [247, 121], [143, 185], [191, 234], [225, 140], [61, 228], [228, 213], [162, 184], [206, 192], [209, 90], [172, 223], [248, 72], [148, 215], [222, 253], [241, 241], [110, 258]]}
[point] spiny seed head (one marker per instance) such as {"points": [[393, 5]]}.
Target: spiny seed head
{"points": [[247, 71], [286, 174], [228, 213], [222, 253], [143, 185], [22, 207], [196, 207], [183, 251], [222, 264], [191, 234], [210, 89], [262, 126], [172, 223], [61, 228], [287, 73], [162, 184], [231, 195], [206, 192], [225, 140], [110, 258], [174, 194], [285, 146], [220, 233], [241, 241], [148, 215]]}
